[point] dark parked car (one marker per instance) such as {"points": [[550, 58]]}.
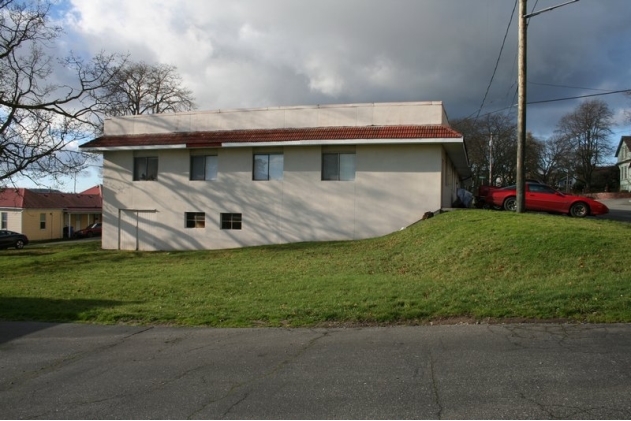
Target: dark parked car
{"points": [[12, 239], [93, 230]]}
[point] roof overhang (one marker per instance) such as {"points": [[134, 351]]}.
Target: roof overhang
{"points": [[623, 139], [451, 140], [324, 142], [102, 149], [83, 210]]}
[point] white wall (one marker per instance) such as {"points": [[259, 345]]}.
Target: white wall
{"points": [[379, 114], [394, 186], [14, 219]]}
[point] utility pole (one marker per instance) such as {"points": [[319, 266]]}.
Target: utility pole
{"points": [[491, 160], [521, 97], [521, 105]]}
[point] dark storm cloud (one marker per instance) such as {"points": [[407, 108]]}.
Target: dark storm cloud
{"points": [[257, 53]]}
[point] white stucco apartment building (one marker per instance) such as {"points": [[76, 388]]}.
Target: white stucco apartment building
{"points": [[234, 178]]}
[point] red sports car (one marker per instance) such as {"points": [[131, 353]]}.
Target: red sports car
{"points": [[542, 198]]}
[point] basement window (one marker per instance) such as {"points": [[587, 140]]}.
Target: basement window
{"points": [[195, 219], [230, 221]]}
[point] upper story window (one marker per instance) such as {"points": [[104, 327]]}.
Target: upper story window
{"points": [[268, 166], [146, 168], [204, 167], [338, 166]]}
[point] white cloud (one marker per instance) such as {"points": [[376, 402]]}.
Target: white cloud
{"points": [[249, 53]]}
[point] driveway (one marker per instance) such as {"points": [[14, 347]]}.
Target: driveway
{"points": [[619, 209], [71, 371]]}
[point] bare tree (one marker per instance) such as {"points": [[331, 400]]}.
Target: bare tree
{"points": [[40, 121], [140, 88], [588, 129], [478, 143], [555, 161], [491, 145], [534, 150]]}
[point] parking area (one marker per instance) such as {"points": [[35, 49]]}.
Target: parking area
{"points": [[619, 209]]}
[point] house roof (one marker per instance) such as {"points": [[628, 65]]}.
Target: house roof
{"points": [[22, 198], [96, 190], [220, 137], [627, 141]]}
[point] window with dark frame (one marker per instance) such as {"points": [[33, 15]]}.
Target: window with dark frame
{"points": [[42, 221], [268, 166], [146, 168], [203, 167], [230, 221], [195, 220], [338, 166]]}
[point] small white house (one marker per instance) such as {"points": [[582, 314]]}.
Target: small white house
{"points": [[225, 179], [623, 155]]}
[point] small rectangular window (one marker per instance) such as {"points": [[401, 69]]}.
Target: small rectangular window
{"points": [[42, 221], [5, 221], [230, 221], [146, 168], [203, 167], [195, 219], [268, 166], [338, 166]]}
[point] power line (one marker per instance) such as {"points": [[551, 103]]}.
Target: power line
{"points": [[557, 100], [514, 85], [488, 88], [514, 102], [578, 97], [570, 87]]}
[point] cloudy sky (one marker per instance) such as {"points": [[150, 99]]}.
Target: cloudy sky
{"points": [[259, 53]]}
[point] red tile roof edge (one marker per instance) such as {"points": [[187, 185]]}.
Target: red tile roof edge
{"points": [[25, 199], [218, 137]]}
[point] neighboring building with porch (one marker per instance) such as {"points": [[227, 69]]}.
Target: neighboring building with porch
{"points": [[234, 178], [48, 215], [623, 156]]}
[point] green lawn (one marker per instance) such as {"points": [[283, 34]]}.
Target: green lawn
{"points": [[474, 264]]}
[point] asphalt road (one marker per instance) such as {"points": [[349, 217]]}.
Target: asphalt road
{"points": [[518, 371], [619, 210]]}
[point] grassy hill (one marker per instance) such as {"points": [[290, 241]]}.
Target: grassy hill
{"points": [[469, 265]]}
